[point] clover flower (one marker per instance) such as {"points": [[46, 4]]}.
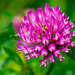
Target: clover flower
{"points": [[45, 33], [17, 20]]}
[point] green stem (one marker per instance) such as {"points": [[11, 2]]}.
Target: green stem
{"points": [[50, 69]]}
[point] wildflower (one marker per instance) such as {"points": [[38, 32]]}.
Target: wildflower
{"points": [[45, 33], [17, 20]]}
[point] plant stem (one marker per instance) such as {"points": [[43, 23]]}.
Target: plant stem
{"points": [[50, 69]]}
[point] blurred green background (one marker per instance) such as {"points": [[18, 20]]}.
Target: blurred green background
{"points": [[12, 61]]}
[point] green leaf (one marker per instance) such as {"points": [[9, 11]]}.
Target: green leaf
{"points": [[14, 37], [71, 54], [9, 71], [4, 36], [10, 15], [27, 71], [6, 61], [14, 56], [35, 65], [50, 69]]}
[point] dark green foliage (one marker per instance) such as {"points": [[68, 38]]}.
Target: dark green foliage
{"points": [[13, 56], [71, 54], [6, 35]]}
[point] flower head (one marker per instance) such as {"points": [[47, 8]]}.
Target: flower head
{"points": [[17, 20], [45, 33]]}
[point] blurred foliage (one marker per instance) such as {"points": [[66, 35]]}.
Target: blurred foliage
{"points": [[71, 54], [14, 56], [13, 62]]}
